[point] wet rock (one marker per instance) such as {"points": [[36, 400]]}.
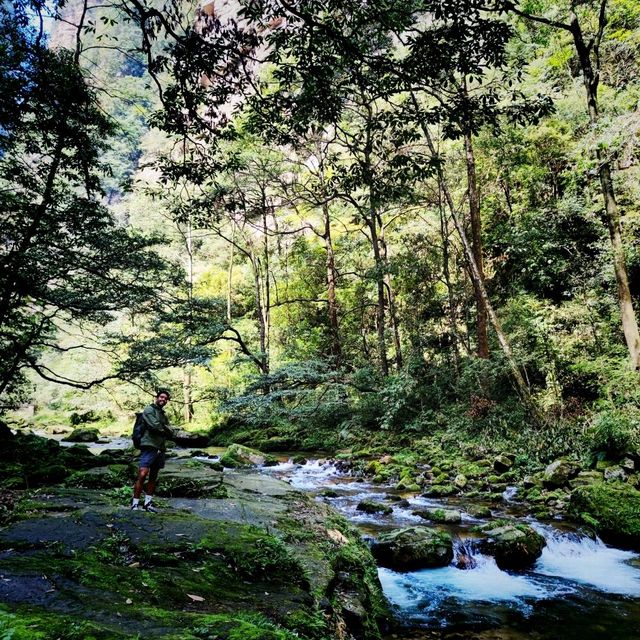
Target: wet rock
{"points": [[413, 548], [116, 456], [342, 466], [478, 511], [370, 506], [465, 561], [515, 546], [83, 434], [259, 561], [559, 472], [441, 516], [238, 456]]}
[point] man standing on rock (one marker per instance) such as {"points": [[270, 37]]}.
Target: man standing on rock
{"points": [[152, 448]]}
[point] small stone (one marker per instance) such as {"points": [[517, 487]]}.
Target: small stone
{"points": [[614, 474], [460, 481], [628, 464]]}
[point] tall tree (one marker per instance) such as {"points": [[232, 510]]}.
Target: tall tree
{"points": [[63, 260], [587, 47]]}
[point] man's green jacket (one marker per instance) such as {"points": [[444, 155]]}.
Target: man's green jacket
{"points": [[157, 431]]}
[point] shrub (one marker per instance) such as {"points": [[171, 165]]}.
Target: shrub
{"points": [[614, 432]]}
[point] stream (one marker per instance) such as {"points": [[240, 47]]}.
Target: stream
{"points": [[578, 589]]}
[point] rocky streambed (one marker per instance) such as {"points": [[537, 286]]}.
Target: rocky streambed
{"points": [[455, 567], [271, 547]]}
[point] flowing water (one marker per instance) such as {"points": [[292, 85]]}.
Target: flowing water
{"points": [[579, 589]]}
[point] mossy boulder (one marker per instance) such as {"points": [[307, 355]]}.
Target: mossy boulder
{"points": [[441, 516], [108, 477], [615, 474], [460, 481], [83, 434], [28, 460], [478, 511], [371, 506], [439, 490], [586, 477], [238, 456], [560, 472], [515, 546], [413, 548], [612, 509], [184, 438], [502, 463]]}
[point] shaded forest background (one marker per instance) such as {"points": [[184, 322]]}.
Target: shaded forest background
{"points": [[326, 224]]}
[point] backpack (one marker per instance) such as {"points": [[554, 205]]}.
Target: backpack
{"points": [[139, 427]]}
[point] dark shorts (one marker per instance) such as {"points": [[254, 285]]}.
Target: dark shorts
{"points": [[151, 458]]}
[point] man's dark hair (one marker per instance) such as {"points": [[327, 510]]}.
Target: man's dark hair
{"points": [[165, 391]]}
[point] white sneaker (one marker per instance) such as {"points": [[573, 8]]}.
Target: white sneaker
{"points": [[135, 507]]}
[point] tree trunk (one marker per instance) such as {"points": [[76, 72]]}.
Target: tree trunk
{"points": [[381, 301], [590, 78], [336, 346], [476, 241], [186, 373], [520, 383], [262, 328], [266, 306], [393, 313], [444, 234], [230, 279], [186, 389]]}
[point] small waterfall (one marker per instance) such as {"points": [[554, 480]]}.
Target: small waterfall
{"points": [[602, 586], [310, 476], [465, 553], [576, 557]]}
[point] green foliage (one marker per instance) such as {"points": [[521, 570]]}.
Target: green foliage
{"points": [[241, 627], [66, 258], [615, 432]]}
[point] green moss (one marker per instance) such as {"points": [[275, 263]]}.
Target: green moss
{"points": [[29, 626], [613, 509], [44, 626]]}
